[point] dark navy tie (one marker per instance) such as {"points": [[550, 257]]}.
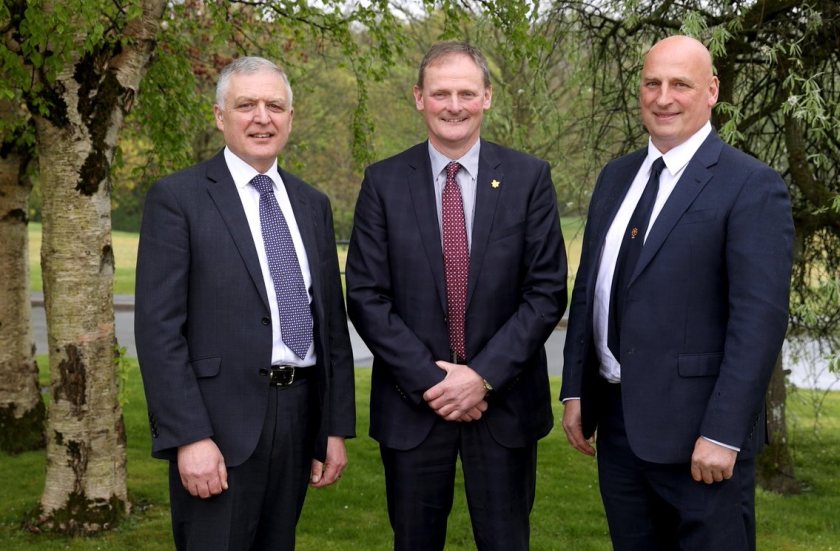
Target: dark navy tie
{"points": [[628, 255], [292, 296]]}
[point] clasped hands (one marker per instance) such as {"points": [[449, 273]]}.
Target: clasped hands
{"points": [[460, 396]]}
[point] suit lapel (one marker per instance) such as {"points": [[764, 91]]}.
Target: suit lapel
{"points": [[690, 184], [486, 201], [422, 190], [223, 191], [306, 219]]}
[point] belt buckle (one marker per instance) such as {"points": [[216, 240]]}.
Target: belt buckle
{"points": [[283, 375]]}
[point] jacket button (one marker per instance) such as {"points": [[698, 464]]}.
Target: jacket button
{"points": [[266, 321]]}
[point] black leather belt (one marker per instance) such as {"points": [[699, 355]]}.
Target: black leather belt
{"points": [[284, 375]]}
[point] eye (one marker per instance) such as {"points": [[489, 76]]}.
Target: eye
{"points": [[245, 106], [276, 107]]}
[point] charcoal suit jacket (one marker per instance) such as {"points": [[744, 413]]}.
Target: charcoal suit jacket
{"points": [[516, 292], [202, 319]]}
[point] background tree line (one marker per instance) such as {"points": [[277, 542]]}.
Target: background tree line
{"points": [[100, 98]]}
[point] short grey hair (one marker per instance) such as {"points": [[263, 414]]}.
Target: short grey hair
{"points": [[247, 66], [444, 49]]}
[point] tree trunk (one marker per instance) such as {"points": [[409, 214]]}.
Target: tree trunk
{"points": [[21, 406], [774, 467], [85, 488]]}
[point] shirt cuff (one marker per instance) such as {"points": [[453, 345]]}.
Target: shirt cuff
{"points": [[727, 446]]}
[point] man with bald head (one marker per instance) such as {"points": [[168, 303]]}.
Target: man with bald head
{"points": [[678, 313]]}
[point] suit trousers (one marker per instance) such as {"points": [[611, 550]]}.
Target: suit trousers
{"points": [[499, 484], [659, 507], [261, 507]]}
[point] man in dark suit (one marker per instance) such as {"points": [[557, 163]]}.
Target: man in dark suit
{"points": [[670, 345], [241, 329], [456, 276]]}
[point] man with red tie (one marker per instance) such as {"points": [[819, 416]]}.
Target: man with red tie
{"points": [[456, 276]]}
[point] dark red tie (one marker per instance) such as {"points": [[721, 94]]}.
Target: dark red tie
{"points": [[456, 260]]}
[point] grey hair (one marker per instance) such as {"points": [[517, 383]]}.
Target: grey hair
{"points": [[247, 66], [443, 49]]}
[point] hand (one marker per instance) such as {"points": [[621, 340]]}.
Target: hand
{"points": [[459, 395], [712, 463], [574, 428], [475, 413], [202, 468], [324, 474]]}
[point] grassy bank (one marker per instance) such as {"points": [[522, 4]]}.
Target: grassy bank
{"points": [[125, 255], [567, 514]]}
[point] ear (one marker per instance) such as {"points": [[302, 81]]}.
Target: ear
{"points": [[488, 96], [220, 121], [714, 89], [418, 98]]}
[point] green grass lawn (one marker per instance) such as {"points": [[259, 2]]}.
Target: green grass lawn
{"points": [[352, 515], [125, 255]]}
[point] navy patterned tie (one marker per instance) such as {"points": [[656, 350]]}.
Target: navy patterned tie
{"points": [[292, 296], [456, 260], [631, 248]]}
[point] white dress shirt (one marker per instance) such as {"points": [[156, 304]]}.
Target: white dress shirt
{"points": [[675, 162], [242, 174], [466, 178]]}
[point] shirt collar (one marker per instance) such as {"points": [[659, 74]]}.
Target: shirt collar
{"points": [[469, 161], [676, 158], [243, 173]]}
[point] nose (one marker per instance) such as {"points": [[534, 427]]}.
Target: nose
{"points": [[453, 104], [664, 97], [261, 113]]}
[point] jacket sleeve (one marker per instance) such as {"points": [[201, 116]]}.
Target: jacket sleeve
{"points": [[176, 410]]}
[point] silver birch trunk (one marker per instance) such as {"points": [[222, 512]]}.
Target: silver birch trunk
{"points": [[21, 405], [85, 488]]}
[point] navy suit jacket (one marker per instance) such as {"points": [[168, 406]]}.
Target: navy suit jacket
{"points": [[202, 320], [706, 308], [516, 292]]}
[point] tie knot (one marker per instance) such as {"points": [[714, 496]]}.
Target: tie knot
{"points": [[262, 183], [451, 170], [656, 168]]}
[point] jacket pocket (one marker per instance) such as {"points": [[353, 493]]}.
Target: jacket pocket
{"points": [[206, 367], [699, 365], [699, 215], [508, 231]]}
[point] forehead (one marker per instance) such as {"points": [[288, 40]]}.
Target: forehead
{"points": [[668, 64], [262, 84], [456, 69]]}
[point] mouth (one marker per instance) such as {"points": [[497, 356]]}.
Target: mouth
{"points": [[262, 135], [454, 120], [665, 116]]}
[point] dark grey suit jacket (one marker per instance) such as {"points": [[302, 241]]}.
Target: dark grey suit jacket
{"points": [[706, 308], [516, 292], [202, 320]]}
